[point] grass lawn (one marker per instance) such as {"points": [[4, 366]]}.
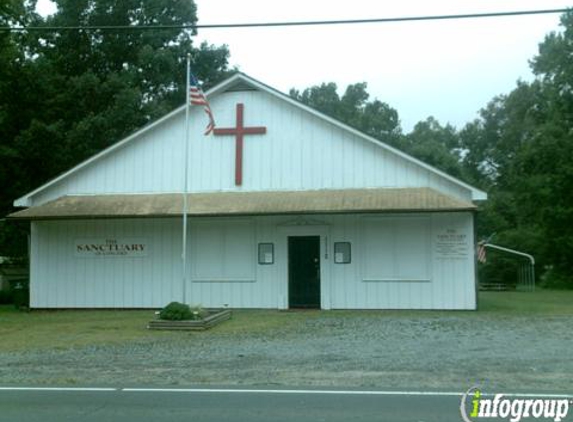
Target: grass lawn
{"points": [[68, 329], [539, 303]]}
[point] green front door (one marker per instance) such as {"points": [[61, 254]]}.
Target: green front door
{"points": [[304, 271]]}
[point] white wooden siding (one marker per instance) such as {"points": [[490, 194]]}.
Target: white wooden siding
{"points": [[396, 248], [223, 251], [59, 279], [299, 152]]}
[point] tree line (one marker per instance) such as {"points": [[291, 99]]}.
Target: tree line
{"points": [[519, 150], [66, 95]]}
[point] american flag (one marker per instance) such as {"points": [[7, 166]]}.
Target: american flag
{"points": [[481, 252], [197, 97]]}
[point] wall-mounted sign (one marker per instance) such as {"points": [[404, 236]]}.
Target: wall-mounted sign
{"points": [[110, 247], [266, 253], [451, 244], [342, 253]]}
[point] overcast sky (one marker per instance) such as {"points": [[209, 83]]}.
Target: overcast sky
{"points": [[448, 69]]}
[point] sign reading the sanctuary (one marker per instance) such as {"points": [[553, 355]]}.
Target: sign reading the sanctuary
{"points": [[451, 244], [126, 247]]}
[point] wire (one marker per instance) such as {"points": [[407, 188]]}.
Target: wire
{"points": [[278, 24]]}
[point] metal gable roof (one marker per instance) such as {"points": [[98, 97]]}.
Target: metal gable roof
{"points": [[241, 81], [327, 201]]}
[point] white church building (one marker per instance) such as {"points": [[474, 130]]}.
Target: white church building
{"points": [[287, 208]]}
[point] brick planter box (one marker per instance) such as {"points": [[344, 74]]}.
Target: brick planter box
{"points": [[215, 317]]}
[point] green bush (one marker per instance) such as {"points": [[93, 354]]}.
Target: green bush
{"points": [[554, 279], [6, 297], [20, 293], [176, 311]]}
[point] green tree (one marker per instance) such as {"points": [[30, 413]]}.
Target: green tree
{"points": [[15, 109], [374, 118], [109, 83], [67, 94], [548, 158], [521, 148], [505, 126], [435, 144]]}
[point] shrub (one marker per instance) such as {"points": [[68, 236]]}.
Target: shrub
{"points": [[554, 279], [176, 311], [6, 297], [20, 294]]}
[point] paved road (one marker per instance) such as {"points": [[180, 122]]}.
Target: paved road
{"points": [[224, 406]]}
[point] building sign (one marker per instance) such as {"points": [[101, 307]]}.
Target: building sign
{"points": [[451, 244], [112, 247]]}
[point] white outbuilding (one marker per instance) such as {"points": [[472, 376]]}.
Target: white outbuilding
{"points": [[287, 208]]}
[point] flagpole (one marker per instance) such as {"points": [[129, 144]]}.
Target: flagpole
{"points": [[186, 181]]}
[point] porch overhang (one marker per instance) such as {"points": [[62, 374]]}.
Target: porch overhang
{"points": [[203, 204]]}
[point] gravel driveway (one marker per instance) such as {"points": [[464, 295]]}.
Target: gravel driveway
{"points": [[371, 350]]}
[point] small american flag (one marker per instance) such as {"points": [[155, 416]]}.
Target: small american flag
{"points": [[481, 252], [197, 97]]}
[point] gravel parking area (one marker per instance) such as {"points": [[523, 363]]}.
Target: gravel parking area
{"points": [[348, 349]]}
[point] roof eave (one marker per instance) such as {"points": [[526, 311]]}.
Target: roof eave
{"points": [[240, 214]]}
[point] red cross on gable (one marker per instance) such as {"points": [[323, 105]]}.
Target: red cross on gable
{"points": [[239, 132]]}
